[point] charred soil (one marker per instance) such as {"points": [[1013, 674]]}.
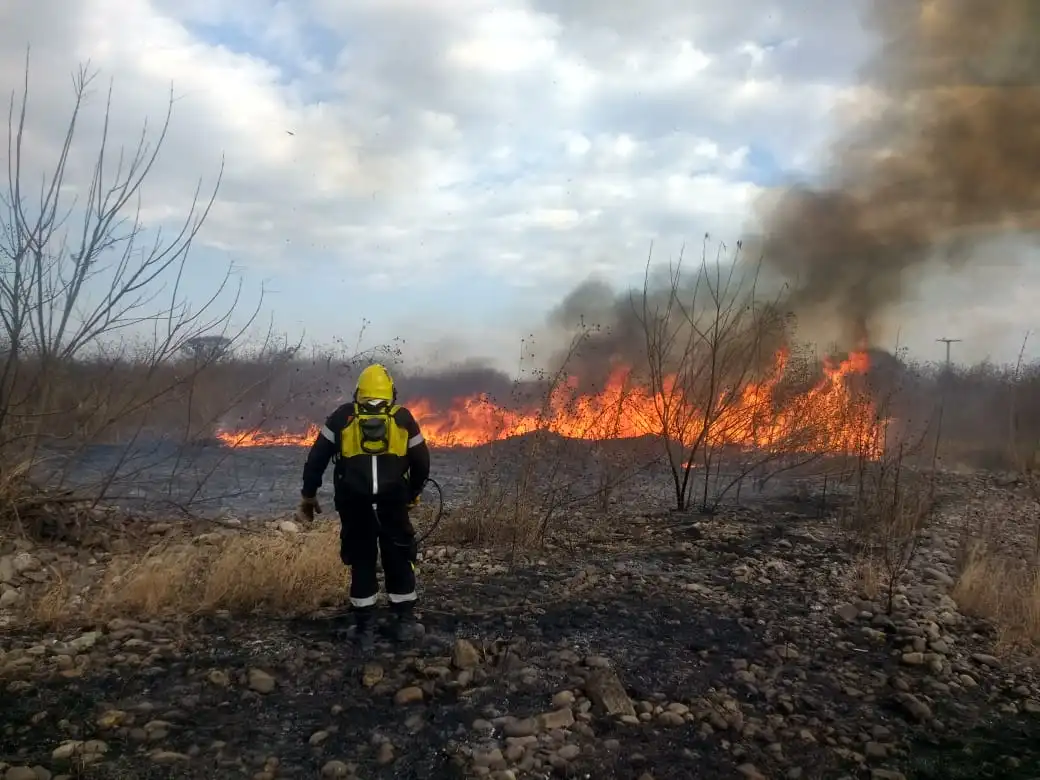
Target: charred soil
{"points": [[670, 647]]}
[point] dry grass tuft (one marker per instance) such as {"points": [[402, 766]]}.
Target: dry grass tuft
{"points": [[1005, 591], [869, 578], [490, 521], [239, 572]]}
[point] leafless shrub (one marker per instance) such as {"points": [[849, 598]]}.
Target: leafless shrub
{"points": [[98, 344], [76, 277], [893, 501], [551, 457], [1024, 444], [726, 403]]}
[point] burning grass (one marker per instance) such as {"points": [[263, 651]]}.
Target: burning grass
{"points": [[829, 416]]}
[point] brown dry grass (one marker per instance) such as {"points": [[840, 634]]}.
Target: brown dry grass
{"points": [[997, 588], [494, 522], [242, 572], [869, 578], [237, 572]]}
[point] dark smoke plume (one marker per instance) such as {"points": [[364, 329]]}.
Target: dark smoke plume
{"points": [[447, 384], [950, 159], [610, 320]]}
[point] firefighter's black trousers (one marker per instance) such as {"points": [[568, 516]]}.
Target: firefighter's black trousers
{"points": [[368, 533]]}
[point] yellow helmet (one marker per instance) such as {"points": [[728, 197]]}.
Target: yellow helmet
{"points": [[375, 386]]}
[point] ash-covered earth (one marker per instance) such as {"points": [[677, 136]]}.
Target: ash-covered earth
{"points": [[637, 644], [210, 478], [255, 481]]}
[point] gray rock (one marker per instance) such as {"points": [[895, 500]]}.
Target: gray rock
{"points": [[409, 695], [914, 706], [557, 719], [260, 681], [848, 612], [986, 660], [464, 655], [10, 598], [333, 769], [606, 691]]}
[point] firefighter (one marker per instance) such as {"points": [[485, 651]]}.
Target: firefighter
{"points": [[381, 465]]}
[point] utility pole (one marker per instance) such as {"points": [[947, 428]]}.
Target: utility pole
{"points": [[948, 342]]}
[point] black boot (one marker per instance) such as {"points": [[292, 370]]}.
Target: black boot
{"points": [[364, 634], [406, 628]]}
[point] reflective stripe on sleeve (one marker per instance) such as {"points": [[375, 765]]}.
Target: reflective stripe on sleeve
{"points": [[326, 431], [416, 440]]}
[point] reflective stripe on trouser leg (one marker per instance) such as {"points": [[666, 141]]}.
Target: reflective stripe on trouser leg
{"points": [[396, 542], [362, 540]]}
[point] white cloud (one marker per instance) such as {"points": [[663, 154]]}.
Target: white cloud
{"points": [[505, 40], [383, 142]]}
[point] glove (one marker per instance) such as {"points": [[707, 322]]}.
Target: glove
{"points": [[414, 500], [309, 507]]}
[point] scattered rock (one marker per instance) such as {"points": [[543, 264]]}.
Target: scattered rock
{"points": [[733, 692], [605, 690], [385, 754], [335, 769], [464, 655], [372, 675], [986, 660], [85, 752], [558, 719], [916, 708], [563, 699], [409, 695], [168, 757], [10, 598], [750, 772], [848, 612], [260, 681]]}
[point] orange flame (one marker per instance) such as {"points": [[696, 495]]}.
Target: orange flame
{"points": [[829, 417]]}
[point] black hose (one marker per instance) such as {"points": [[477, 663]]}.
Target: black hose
{"points": [[440, 510]]}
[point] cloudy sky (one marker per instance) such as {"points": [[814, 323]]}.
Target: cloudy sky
{"points": [[449, 170]]}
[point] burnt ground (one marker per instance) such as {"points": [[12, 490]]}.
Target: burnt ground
{"points": [[739, 642]]}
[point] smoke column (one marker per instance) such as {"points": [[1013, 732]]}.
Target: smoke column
{"points": [[950, 158]]}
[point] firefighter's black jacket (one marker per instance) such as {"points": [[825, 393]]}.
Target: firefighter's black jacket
{"points": [[395, 476]]}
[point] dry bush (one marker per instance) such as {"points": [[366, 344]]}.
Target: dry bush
{"points": [[523, 487], [238, 572], [79, 273], [892, 506], [984, 400], [730, 398], [1002, 590], [706, 340], [493, 520], [99, 343], [547, 455], [869, 578]]}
